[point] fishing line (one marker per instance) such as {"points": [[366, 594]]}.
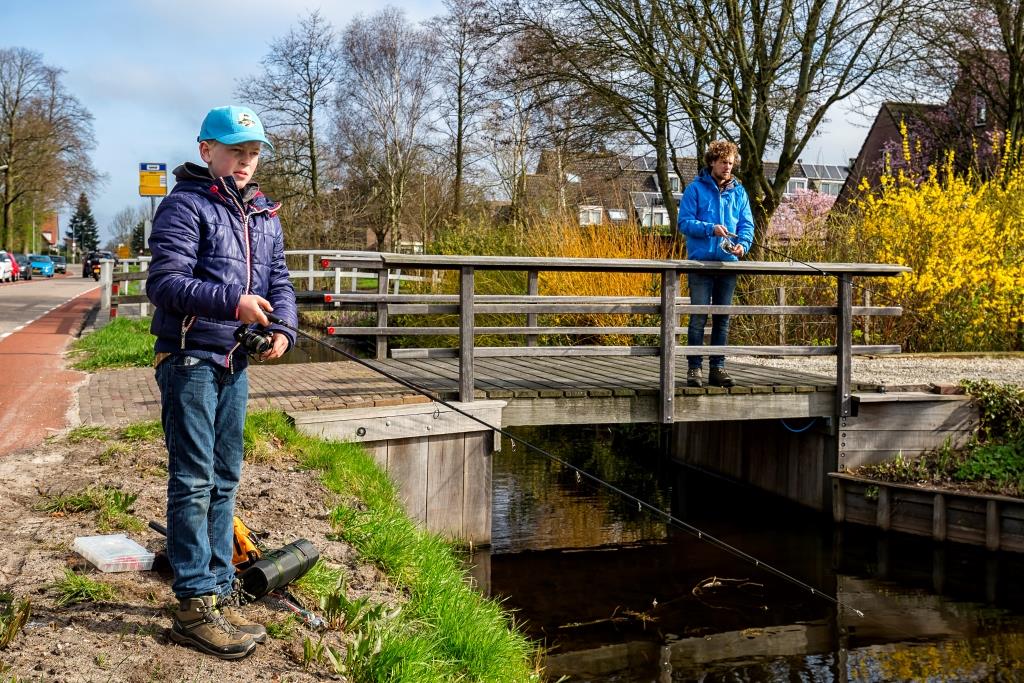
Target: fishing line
{"points": [[641, 504]]}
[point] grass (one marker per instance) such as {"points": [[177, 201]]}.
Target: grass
{"points": [[88, 433], [445, 631], [143, 431], [75, 588], [113, 504], [14, 615], [123, 343]]}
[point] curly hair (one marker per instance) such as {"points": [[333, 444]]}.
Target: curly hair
{"points": [[719, 149]]}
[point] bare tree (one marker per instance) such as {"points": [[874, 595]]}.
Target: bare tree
{"points": [[464, 46], [293, 96], [125, 222], [45, 136], [618, 58], [384, 107], [782, 65]]}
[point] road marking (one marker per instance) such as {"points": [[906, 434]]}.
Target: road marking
{"points": [[23, 325]]}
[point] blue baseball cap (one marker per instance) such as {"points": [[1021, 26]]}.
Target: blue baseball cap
{"points": [[231, 125]]}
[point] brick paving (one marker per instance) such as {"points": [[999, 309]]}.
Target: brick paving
{"points": [[119, 397]]}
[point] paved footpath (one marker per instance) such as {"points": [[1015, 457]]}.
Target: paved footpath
{"points": [[119, 397]]}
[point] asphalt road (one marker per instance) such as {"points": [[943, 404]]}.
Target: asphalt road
{"points": [[38, 320], [25, 301]]}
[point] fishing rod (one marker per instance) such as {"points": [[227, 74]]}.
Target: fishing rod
{"points": [[580, 473]]}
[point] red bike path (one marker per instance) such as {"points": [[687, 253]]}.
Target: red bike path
{"points": [[38, 391]]}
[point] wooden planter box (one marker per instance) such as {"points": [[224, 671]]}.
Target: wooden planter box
{"points": [[996, 522]]}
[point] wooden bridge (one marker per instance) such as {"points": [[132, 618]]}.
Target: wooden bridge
{"points": [[601, 374], [441, 460]]}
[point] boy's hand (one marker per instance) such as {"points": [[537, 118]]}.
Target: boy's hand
{"points": [[720, 231], [280, 346], [251, 307]]}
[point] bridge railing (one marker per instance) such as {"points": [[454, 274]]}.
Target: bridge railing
{"points": [[668, 306]]}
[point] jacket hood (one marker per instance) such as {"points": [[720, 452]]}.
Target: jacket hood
{"points": [[704, 175], [190, 172]]}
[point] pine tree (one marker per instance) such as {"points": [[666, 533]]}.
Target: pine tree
{"points": [[82, 228], [138, 244]]}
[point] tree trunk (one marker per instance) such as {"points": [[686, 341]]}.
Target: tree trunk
{"points": [[661, 149]]}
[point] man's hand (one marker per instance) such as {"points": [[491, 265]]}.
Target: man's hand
{"points": [[251, 307], [737, 250], [720, 231], [280, 346]]}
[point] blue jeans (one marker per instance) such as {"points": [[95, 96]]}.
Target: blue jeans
{"points": [[716, 289], [203, 414]]}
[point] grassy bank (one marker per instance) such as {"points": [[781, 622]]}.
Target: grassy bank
{"points": [[445, 631], [123, 343]]}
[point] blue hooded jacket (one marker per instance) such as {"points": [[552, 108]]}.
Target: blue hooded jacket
{"points": [[212, 243], [704, 206]]}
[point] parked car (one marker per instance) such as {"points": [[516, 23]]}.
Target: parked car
{"points": [[6, 268], [41, 264], [95, 257], [24, 266], [60, 264], [16, 267]]}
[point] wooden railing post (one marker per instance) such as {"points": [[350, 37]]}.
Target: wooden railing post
{"points": [[466, 334], [382, 313], [844, 345], [780, 299], [669, 321], [867, 318], [309, 268], [532, 289], [398, 279], [106, 282]]}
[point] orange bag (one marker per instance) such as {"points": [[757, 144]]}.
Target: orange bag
{"points": [[246, 545]]}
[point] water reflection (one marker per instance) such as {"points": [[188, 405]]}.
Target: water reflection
{"points": [[618, 597]]}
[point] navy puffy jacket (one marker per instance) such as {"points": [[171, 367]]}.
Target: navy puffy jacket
{"points": [[207, 252]]}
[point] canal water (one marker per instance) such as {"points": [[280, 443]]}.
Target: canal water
{"points": [[615, 595]]}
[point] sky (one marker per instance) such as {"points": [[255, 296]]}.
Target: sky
{"points": [[149, 70]]}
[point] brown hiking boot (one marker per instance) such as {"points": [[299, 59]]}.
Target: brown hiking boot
{"points": [[199, 623], [693, 378], [258, 632], [720, 378]]}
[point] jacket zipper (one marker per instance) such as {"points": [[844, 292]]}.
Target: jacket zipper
{"points": [[248, 270]]}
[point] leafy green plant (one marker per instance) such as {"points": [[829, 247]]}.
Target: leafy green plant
{"points": [[75, 588], [312, 652], [14, 615], [282, 629]]}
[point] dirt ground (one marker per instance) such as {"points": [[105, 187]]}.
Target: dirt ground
{"points": [[125, 639]]}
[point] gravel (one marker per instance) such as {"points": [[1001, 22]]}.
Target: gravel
{"points": [[909, 369]]}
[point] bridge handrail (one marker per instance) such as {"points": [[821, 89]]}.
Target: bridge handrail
{"points": [[468, 304]]}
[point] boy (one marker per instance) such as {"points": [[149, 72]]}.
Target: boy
{"points": [[218, 262], [714, 206]]}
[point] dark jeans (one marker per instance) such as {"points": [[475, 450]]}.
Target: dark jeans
{"points": [[714, 289], [203, 413]]}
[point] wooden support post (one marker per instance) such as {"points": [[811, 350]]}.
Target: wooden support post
{"points": [[838, 501], [844, 345], [398, 279], [382, 314], [467, 338], [310, 264], [532, 289], [669, 292], [780, 297], [883, 516], [939, 518], [355, 280], [337, 280], [992, 525]]}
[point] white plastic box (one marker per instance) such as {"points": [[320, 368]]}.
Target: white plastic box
{"points": [[113, 553]]}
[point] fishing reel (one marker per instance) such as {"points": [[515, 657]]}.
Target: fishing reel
{"points": [[255, 341]]}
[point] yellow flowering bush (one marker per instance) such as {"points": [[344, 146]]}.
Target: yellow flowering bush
{"points": [[964, 238]]}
